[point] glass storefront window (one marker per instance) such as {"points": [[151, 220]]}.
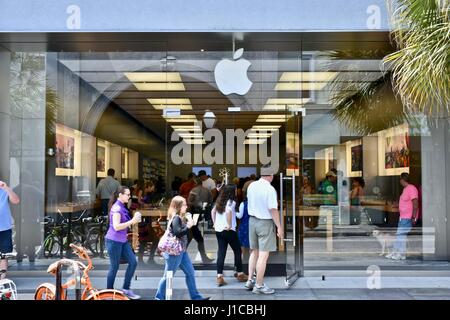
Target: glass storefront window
{"points": [[323, 115]]}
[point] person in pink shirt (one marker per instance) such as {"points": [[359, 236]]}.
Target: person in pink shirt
{"points": [[409, 213]]}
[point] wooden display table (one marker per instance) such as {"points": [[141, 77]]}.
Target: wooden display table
{"points": [[69, 207], [392, 211]]}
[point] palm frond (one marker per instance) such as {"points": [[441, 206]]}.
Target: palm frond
{"points": [[367, 107], [421, 65]]}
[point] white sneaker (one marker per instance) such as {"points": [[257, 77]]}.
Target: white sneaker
{"points": [[398, 256], [250, 284], [390, 255], [262, 289]]}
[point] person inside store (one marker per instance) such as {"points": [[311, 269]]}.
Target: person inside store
{"points": [[175, 185], [179, 225], [356, 197], [106, 189], [135, 184], [329, 188], [224, 218], [7, 197], [208, 183], [188, 185], [117, 243], [149, 192], [306, 190], [264, 227], [146, 233], [409, 213], [239, 193], [199, 202], [251, 179]]}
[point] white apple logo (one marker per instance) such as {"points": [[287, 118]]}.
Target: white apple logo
{"points": [[231, 75]]}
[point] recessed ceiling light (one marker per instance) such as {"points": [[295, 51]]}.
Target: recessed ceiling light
{"points": [[170, 103], [160, 86], [284, 104], [181, 116], [272, 118], [195, 141], [153, 76], [259, 135], [186, 127], [254, 141], [190, 135], [266, 127], [187, 130]]}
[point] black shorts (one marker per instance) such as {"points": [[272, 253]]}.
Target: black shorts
{"points": [[6, 245]]}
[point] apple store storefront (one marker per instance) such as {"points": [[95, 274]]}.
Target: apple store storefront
{"points": [[158, 106]]}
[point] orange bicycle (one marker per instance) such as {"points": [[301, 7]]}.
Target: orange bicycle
{"points": [[83, 286]]}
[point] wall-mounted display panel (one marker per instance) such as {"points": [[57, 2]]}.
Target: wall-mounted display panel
{"points": [[67, 151], [102, 158], [354, 154], [394, 151]]}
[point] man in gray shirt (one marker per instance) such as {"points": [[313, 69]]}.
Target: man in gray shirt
{"points": [[106, 188]]}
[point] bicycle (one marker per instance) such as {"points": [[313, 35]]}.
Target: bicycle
{"points": [[48, 291], [8, 289], [56, 240], [95, 238]]}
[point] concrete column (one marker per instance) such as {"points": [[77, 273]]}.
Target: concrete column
{"points": [[5, 115], [27, 148], [435, 186]]}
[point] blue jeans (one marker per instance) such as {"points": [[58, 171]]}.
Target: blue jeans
{"points": [[184, 263], [404, 226], [116, 251]]}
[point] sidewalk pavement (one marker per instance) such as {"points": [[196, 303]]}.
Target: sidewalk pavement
{"points": [[307, 288]]}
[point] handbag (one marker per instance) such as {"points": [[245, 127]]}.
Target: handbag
{"points": [[169, 243]]}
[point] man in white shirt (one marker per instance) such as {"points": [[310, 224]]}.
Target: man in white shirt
{"points": [[264, 218], [208, 183]]}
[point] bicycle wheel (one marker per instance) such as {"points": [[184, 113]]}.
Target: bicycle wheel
{"points": [[93, 239], [45, 291], [108, 295], [51, 246]]}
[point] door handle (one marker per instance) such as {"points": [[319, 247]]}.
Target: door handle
{"points": [[281, 197], [293, 209], [282, 178]]}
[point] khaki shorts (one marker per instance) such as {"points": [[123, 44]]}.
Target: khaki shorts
{"points": [[262, 234]]}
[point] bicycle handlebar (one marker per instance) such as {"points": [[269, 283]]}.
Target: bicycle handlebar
{"points": [[80, 251]]}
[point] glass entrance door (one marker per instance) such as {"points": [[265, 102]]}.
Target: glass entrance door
{"points": [[231, 124], [289, 205]]}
